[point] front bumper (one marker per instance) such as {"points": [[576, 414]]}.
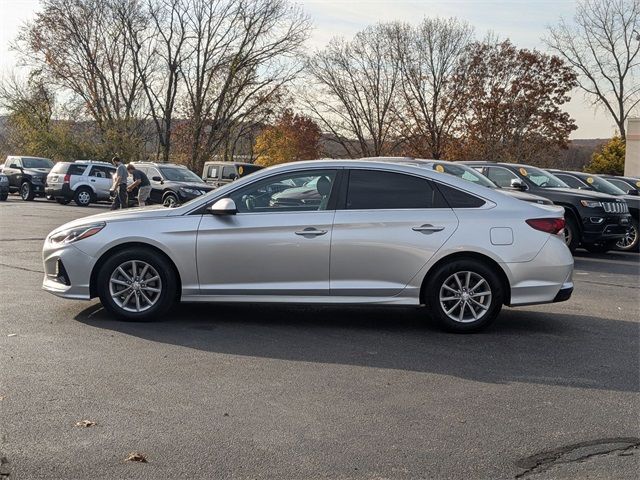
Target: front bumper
{"points": [[611, 227], [67, 271]]}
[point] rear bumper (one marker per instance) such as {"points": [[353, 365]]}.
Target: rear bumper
{"points": [[63, 191], [545, 279], [564, 294]]}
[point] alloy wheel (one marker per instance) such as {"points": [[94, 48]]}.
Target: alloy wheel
{"points": [[25, 191], [629, 239], [84, 197], [465, 297], [135, 286], [170, 201], [568, 235]]}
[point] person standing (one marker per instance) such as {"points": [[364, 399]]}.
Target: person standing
{"points": [[141, 181], [119, 185]]}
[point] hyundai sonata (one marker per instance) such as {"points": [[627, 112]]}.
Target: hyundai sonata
{"points": [[375, 233]]}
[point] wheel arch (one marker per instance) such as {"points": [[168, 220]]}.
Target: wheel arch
{"points": [[490, 262], [124, 246]]}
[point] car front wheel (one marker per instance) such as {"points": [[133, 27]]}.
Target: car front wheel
{"points": [[629, 243], [464, 295], [137, 284], [26, 191], [170, 200]]}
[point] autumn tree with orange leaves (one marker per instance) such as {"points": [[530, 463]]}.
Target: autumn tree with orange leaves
{"points": [[514, 100], [293, 137]]}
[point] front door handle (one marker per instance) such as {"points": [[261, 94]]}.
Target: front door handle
{"points": [[427, 228], [311, 232]]}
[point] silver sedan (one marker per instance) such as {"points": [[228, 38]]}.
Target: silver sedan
{"points": [[326, 231]]}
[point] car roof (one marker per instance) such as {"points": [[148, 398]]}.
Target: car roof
{"points": [[158, 164]]}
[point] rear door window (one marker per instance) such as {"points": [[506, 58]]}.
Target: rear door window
{"points": [[76, 169], [573, 182], [212, 171], [378, 190]]}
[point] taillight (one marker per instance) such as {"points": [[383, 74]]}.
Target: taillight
{"points": [[548, 225], [67, 178]]}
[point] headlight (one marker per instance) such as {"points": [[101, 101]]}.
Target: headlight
{"points": [[71, 235], [36, 179], [591, 204], [190, 191]]}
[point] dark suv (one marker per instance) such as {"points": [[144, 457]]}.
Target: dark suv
{"points": [[593, 183], [27, 175], [594, 220], [172, 184]]}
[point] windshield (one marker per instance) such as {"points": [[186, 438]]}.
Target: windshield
{"points": [[542, 178], [466, 173], [601, 185], [37, 163], [177, 174]]}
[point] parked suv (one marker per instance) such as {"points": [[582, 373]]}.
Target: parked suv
{"points": [[172, 184], [83, 181], [630, 185], [218, 174], [593, 183], [27, 175], [594, 220]]}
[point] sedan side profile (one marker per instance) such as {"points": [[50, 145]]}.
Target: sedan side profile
{"points": [[376, 233]]}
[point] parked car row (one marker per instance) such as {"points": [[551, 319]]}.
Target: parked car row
{"points": [[601, 212]]}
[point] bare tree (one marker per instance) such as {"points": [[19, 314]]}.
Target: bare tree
{"points": [[156, 35], [242, 53], [79, 46], [356, 83], [603, 45], [429, 56]]}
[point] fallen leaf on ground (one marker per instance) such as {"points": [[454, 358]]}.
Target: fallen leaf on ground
{"points": [[12, 335], [1, 397], [85, 423], [136, 457]]}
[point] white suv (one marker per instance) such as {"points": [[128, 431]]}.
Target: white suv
{"points": [[83, 181]]}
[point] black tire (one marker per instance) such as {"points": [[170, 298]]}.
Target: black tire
{"points": [[170, 200], [3, 197], [437, 304], [63, 201], [571, 233], [167, 284], [26, 192], [602, 247], [83, 197], [631, 242]]}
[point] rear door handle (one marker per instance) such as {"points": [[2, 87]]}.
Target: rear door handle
{"points": [[427, 228], [311, 232]]}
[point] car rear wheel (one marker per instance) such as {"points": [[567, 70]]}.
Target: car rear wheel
{"points": [[26, 192], [170, 200], [629, 243], [82, 197], [137, 285], [3, 197], [465, 295]]}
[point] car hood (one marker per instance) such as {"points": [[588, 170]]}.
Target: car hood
{"points": [[196, 185], [37, 171], [527, 197], [576, 193], [127, 214]]}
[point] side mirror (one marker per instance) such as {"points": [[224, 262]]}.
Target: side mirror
{"points": [[518, 184], [14, 165], [224, 206], [156, 179], [633, 191]]}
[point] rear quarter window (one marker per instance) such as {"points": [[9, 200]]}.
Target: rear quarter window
{"points": [[459, 199], [75, 169]]}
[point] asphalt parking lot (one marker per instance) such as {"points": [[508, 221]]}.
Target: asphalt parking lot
{"points": [[301, 392]]}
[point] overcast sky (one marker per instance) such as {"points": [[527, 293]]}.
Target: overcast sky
{"points": [[523, 21]]}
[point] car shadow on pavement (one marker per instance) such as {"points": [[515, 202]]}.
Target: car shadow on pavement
{"points": [[521, 346]]}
